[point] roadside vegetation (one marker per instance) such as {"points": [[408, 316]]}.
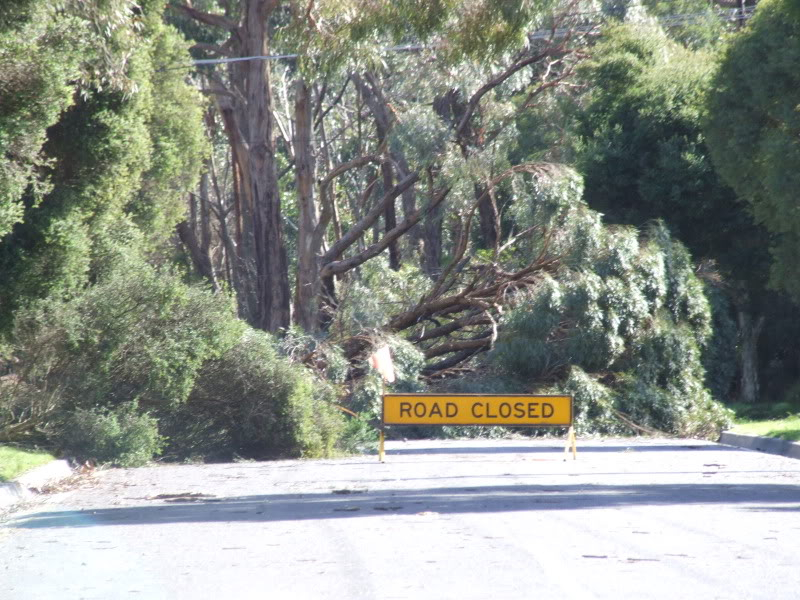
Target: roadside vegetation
{"points": [[197, 260], [16, 461], [781, 420], [787, 428]]}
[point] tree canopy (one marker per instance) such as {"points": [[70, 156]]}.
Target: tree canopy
{"points": [[213, 212], [752, 124]]}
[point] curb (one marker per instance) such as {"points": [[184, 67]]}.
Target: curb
{"points": [[33, 482], [761, 444]]}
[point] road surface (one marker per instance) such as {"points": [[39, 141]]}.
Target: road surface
{"points": [[630, 519]]}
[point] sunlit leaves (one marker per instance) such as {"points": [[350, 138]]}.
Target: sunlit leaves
{"points": [[752, 125]]}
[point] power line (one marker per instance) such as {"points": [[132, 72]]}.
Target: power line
{"points": [[734, 14]]}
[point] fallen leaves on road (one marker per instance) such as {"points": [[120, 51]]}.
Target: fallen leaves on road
{"points": [[636, 560], [182, 497]]}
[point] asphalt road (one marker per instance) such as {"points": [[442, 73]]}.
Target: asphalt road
{"points": [[464, 520]]}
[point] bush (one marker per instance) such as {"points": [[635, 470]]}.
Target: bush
{"points": [[138, 334], [123, 436], [252, 402], [140, 338], [623, 328]]}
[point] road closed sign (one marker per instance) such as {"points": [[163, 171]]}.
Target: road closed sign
{"points": [[469, 409]]}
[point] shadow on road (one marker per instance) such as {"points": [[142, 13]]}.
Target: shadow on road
{"points": [[444, 500], [557, 446]]}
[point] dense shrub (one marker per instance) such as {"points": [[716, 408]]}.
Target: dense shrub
{"points": [[123, 436], [623, 327], [251, 401], [91, 368], [138, 334]]}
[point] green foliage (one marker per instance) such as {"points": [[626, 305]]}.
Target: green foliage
{"points": [[593, 404], [123, 435], [644, 155], [752, 122], [37, 61], [178, 144], [117, 157], [376, 292], [137, 334], [142, 340], [15, 461], [700, 25], [719, 358], [359, 436], [15, 13], [329, 360], [623, 329], [473, 29], [250, 401]]}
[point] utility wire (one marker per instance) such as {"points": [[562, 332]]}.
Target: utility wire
{"points": [[734, 14]]}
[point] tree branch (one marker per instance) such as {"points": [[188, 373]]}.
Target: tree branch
{"points": [[489, 86], [357, 230], [474, 318], [484, 339], [333, 104], [207, 18], [452, 361], [342, 266]]}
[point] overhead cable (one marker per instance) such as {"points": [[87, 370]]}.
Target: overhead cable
{"points": [[735, 14]]}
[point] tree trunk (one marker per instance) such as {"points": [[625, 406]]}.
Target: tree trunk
{"points": [[269, 264], [409, 206], [489, 218], [307, 288], [200, 261], [432, 236], [749, 332], [374, 98], [390, 217], [205, 230]]}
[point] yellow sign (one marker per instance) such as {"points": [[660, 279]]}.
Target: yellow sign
{"points": [[475, 409]]}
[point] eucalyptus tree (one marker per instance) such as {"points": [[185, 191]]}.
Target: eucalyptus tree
{"points": [[356, 130]]}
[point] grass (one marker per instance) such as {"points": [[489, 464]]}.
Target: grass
{"points": [[787, 428], [16, 461]]}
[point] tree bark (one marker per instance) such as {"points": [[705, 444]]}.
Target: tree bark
{"points": [[246, 106], [488, 217], [432, 236], [271, 264], [200, 262], [374, 98], [749, 332], [390, 217], [307, 283], [205, 230]]}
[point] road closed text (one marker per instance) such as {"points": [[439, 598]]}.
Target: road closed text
{"points": [[413, 409]]}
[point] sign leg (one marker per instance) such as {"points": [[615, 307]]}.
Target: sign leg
{"points": [[574, 443], [571, 444], [381, 452]]}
